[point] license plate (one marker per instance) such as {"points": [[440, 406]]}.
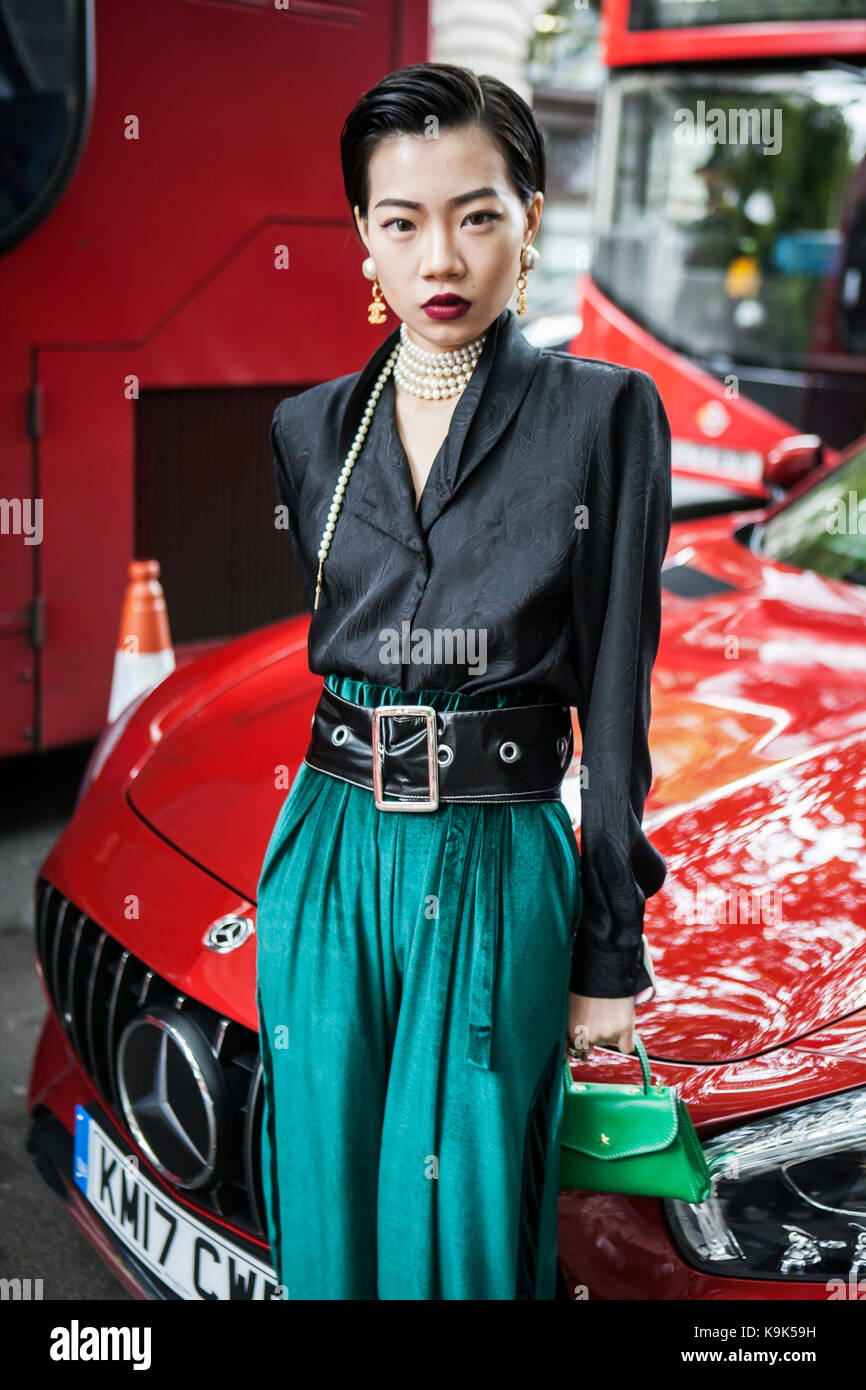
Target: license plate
{"points": [[191, 1258]]}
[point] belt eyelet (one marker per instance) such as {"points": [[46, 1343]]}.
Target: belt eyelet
{"points": [[449, 754], [561, 745], [340, 734], [510, 751]]}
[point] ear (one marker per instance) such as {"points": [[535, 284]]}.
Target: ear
{"points": [[361, 224], [533, 216]]}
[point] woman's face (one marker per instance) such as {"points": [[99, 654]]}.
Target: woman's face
{"points": [[444, 219]]}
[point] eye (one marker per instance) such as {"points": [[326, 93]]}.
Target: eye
{"points": [[404, 224], [488, 216]]}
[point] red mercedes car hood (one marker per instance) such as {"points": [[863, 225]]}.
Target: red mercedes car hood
{"points": [[758, 803]]}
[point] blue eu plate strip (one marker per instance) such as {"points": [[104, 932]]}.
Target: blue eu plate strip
{"points": [[82, 1147]]}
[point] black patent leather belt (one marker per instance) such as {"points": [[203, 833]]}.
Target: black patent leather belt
{"points": [[412, 757]]}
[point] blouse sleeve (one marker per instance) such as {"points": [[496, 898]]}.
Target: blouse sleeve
{"points": [[287, 492], [616, 604]]}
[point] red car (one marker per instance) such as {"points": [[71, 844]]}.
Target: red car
{"points": [[145, 1094]]}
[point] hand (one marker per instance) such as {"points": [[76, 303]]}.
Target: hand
{"points": [[606, 1021]]}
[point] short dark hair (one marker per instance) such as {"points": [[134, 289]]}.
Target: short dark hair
{"points": [[402, 103]]}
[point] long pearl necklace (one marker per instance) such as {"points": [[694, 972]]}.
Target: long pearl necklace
{"points": [[458, 368]]}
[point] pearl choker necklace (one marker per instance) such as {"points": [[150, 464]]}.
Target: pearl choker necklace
{"points": [[457, 367], [435, 375]]}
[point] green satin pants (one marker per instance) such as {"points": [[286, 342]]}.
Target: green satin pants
{"points": [[412, 987]]}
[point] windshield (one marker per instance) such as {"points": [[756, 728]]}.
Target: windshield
{"points": [[733, 216], [825, 528]]}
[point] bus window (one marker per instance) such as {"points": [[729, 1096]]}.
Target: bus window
{"points": [[687, 14], [732, 243], [44, 101]]}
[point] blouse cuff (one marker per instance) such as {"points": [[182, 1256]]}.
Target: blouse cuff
{"points": [[603, 974]]}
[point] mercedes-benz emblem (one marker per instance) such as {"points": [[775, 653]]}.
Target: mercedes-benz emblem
{"points": [[227, 933], [175, 1096]]}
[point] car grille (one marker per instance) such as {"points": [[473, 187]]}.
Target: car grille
{"points": [[96, 988]]}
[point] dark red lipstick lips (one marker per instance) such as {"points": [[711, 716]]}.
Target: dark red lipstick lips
{"points": [[446, 306]]}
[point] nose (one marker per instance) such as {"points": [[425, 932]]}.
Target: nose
{"points": [[440, 257]]}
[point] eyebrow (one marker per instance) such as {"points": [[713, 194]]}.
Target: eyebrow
{"points": [[455, 202]]}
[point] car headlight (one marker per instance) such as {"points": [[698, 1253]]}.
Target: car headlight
{"points": [[788, 1197]]}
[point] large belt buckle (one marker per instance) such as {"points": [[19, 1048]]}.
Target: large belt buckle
{"points": [[432, 801]]}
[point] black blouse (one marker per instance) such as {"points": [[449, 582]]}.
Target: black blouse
{"points": [[540, 534]]}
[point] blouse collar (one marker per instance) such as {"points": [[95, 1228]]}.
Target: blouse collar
{"points": [[495, 390]]}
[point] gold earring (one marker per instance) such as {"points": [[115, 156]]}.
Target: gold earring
{"points": [[521, 293], [376, 307], [528, 259]]}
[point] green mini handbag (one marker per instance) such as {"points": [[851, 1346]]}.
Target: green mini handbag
{"points": [[630, 1139]]}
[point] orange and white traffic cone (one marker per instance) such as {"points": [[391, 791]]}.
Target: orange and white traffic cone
{"points": [[144, 654]]}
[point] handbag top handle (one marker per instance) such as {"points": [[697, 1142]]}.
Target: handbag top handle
{"points": [[644, 1066]]}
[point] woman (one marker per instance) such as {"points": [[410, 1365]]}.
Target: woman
{"points": [[480, 532]]}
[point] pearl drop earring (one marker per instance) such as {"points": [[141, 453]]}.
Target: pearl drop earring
{"points": [[528, 261], [376, 307]]}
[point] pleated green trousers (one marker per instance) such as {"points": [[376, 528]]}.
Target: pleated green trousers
{"points": [[412, 988]]}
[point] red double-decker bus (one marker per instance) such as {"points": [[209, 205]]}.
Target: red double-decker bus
{"points": [[175, 256], [730, 250]]}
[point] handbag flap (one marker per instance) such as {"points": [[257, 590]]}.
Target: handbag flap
{"points": [[614, 1122]]}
